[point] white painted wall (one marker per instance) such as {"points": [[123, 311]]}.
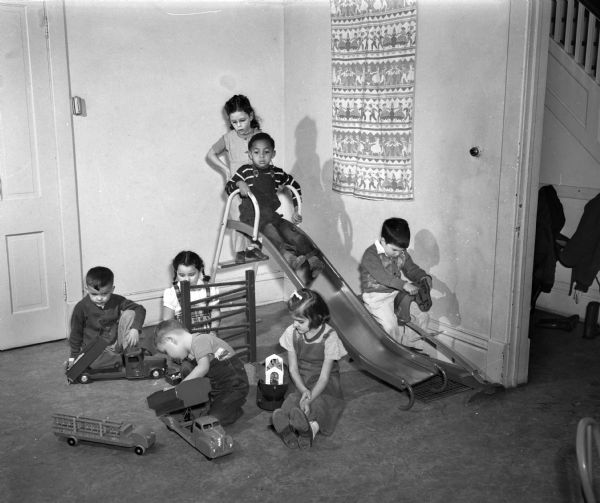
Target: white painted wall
{"points": [[453, 216], [463, 218], [155, 76]]}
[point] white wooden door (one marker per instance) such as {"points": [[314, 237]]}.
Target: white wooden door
{"points": [[32, 301]]}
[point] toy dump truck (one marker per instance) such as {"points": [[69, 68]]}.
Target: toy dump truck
{"points": [[135, 364], [183, 410], [190, 394], [204, 434], [103, 431]]}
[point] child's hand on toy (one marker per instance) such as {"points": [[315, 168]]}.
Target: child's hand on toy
{"points": [[410, 288], [244, 189], [132, 338], [296, 217]]}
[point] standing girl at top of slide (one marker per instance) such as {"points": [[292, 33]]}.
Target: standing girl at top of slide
{"points": [[229, 153]]}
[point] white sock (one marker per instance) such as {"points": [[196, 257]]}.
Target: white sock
{"points": [[314, 426]]}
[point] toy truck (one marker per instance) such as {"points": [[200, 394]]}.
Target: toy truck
{"points": [[135, 364], [103, 431], [204, 434], [184, 397]]}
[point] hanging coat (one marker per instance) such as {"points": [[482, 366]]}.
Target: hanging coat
{"points": [[582, 252], [549, 222]]}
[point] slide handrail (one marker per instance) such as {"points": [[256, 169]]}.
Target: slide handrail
{"points": [[294, 191]]}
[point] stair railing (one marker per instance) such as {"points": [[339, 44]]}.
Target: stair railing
{"points": [[575, 28]]}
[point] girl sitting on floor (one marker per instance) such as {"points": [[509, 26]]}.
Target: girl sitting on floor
{"points": [[313, 350]]}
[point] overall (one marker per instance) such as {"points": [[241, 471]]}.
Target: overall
{"points": [[283, 234], [229, 383], [327, 408]]}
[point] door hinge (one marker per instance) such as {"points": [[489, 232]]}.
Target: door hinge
{"points": [[65, 290]]}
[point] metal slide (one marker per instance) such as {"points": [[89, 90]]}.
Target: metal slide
{"points": [[364, 339], [366, 342]]}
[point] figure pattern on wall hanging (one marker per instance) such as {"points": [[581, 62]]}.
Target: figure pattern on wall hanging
{"points": [[373, 44]]}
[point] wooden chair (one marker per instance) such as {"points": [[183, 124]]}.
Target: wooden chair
{"points": [[237, 305]]}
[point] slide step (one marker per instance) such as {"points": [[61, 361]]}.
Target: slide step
{"points": [[233, 263]]}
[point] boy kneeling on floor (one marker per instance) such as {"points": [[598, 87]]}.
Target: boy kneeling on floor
{"points": [[213, 358]]}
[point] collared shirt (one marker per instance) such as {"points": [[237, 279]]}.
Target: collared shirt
{"points": [[381, 273]]}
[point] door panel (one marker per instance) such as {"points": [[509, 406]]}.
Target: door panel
{"points": [[32, 307]]}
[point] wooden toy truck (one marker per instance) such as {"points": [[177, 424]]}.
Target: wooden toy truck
{"points": [[185, 396], [103, 431], [135, 364], [204, 434], [183, 410]]}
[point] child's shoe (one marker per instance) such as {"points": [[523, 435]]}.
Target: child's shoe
{"points": [[294, 261], [240, 257], [255, 254], [316, 266], [281, 424], [299, 422], [297, 262], [412, 340]]}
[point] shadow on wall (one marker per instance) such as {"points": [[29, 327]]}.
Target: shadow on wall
{"points": [[426, 254], [337, 234]]}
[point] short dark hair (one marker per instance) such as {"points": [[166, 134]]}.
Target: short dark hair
{"points": [[396, 232], [164, 329], [311, 305], [261, 136], [99, 277]]}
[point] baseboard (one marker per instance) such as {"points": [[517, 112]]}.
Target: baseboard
{"points": [[484, 354], [558, 300]]}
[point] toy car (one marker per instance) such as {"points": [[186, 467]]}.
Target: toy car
{"points": [[204, 434], [137, 363], [103, 431]]}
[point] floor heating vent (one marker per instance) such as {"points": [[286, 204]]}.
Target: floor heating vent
{"points": [[425, 391]]}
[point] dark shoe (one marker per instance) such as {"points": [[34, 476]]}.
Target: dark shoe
{"points": [[280, 420], [255, 254], [299, 422], [305, 439], [240, 257], [423, 297], [316, 266], [281, 424]]}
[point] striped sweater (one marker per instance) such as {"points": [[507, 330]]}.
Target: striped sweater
{"points": [[268, 202]]}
